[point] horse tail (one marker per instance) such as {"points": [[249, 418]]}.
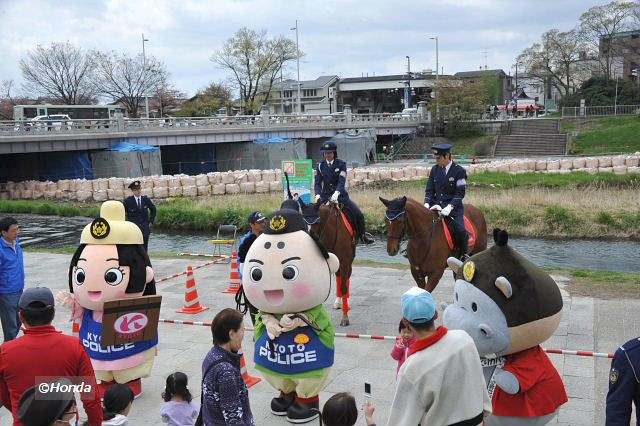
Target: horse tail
{"points": [[286, 177], [241, 301]]}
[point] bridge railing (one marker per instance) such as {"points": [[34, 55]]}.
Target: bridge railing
{"points": [[600, 111], [17, 128]]}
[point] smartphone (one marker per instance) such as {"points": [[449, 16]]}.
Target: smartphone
{"points": [[367, 392]]}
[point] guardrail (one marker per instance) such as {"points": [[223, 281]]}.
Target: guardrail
{"points": [[17, 128], [600, 111]]}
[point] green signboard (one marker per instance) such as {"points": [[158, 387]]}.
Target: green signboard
{"points": [[300, 178]]}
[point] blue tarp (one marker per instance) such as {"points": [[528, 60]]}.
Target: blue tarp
{"points": [[130, 147], [274, 139]]}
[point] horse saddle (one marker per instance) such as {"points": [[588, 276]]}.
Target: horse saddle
{"points": [[468, 225]]}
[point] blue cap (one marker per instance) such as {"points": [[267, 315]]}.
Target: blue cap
{"points": [[442, 148], [36, 298], [256, 217], [418, 305]]}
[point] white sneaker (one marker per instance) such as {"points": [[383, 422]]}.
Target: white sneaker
{"points": [[337, 304]]}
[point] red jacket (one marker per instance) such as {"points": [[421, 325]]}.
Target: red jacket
{"points": [[44, 351]]}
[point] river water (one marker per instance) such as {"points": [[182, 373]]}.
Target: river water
{"points": [[623, 256]]}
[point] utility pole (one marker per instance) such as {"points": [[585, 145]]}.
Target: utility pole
{"points": [[437, 68], [144, 66], [281, 93], [407, 85], [615, 99], [298, 61]]}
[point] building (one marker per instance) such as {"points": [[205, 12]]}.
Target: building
{"points": [[623, 49], [544, 94], [318, 96], [384, 93], [505, 81]]}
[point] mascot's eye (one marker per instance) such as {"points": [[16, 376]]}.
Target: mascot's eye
{"points": [[113, 276], [256, 273], [456, 296], [290, 273], [474, 307], [79, 276]]}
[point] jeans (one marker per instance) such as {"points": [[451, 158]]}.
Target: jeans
{"points": [[9, 314]]}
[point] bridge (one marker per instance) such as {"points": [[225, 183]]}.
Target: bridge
{"points": [[73, 135]]}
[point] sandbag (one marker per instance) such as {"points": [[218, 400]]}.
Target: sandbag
{"points": [[262, 187], [218, 189], [204, 190], [248, 187], [190, 191], [232, 188], [175, 191], [274, 186], [202, 180], [187, 181], [161, 192]]}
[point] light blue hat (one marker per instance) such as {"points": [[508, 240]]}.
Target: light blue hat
{"points": [[418, 305]]}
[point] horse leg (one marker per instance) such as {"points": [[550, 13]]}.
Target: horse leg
{"points": [[417, 277], [343, 283], [434, 279], [345, 305]]}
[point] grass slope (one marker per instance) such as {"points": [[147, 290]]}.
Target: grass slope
{"points": [[604, 135]]}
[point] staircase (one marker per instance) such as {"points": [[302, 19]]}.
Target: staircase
{"points": [[535, 137]]}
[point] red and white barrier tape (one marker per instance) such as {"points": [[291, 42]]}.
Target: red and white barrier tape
{"points": [[374, 337], [203, 255], [218, 260]]}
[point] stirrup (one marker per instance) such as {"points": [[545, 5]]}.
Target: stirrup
{"points": [[367, 238]]}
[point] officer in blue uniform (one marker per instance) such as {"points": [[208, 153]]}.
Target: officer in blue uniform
{"points": [[624, 385], [331, 176], [445, 191], [140, 210]]}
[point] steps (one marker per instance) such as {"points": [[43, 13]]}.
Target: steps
{"points": [[536, 137]]}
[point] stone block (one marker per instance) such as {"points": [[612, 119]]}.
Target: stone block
{"points": [[202, 180], [190, 191], [541, 165], [214, 178], [204, 190], [218, 189], [115, 183], [100, 195], [274, 186], [175, 191], [248, 187], [228, 177], [620, 170], [161, 192], [604, 162], [187, 181], [262, 187], [232, 188], [579, 163]]}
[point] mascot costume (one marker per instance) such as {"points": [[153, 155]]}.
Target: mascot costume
{"points": [[287, 275], [110, 264], [509, 307]]}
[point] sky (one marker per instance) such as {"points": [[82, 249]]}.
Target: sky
{"points": [[347, 38]]}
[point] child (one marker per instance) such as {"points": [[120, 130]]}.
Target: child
{"points": [[401, 345], [341, 410], [178, 409], [117, 404]]}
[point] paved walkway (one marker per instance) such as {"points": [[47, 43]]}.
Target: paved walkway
{"points": [[588, 324]]}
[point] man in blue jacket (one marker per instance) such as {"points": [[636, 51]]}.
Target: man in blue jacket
{"points": [[624, 385], [140, 210], [11, 277], [329, 185], [445, 192]]}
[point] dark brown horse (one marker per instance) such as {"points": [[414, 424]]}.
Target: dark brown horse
{"points": [[327, 222], [427, 247]]}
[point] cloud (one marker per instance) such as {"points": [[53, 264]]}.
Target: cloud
{"points": [[344, 37]]}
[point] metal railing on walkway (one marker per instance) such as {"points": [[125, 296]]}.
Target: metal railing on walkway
{"points": [[600, 111]]}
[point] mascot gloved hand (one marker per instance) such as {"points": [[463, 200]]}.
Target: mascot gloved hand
{"points": [[509, 306], [287, 275], [111, 263]]}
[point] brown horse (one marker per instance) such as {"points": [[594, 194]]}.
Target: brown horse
{"points": [[427, 247], [326, 221]]}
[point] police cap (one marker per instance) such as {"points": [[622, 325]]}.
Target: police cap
{"points": [[441, 148], [135, 185], [285, 221], [329, 146]]}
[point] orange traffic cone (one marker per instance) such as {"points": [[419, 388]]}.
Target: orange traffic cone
{"points": [[191, 300], [234, 275], [249, 380]]}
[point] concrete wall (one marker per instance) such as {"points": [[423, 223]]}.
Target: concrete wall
{"points": [[249, 155], [126, 164]]}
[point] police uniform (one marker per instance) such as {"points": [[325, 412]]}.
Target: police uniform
{"points": [[624, 385], [447, 187], [142, 214], [331, 177]]}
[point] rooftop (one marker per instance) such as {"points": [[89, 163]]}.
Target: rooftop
{"points": [[318, 83], [396, 77], [479, 73]]}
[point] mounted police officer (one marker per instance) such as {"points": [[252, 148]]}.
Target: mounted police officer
{"points": [[444, 193], [140, 210], [331, 176], [624, 384]]}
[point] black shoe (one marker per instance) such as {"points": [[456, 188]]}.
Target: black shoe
{"points": [[303, 413], [281, 404], [463, 257], [367, 239]]}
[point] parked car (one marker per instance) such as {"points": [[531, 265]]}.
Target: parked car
{"points": [[54, 121]]}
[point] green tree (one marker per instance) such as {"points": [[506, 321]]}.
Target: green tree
{"points": [[602, 91], [207, 101], [490, 90]]}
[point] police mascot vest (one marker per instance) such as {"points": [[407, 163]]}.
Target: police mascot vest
{"points": [[509, 306], [287, 275], [111, 263]]}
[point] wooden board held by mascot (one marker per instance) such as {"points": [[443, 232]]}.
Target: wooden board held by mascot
{"points": [[287, 275], [111, 264]]}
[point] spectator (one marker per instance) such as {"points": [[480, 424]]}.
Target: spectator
{"points": [[178, 409], [55, 407], [341, 410], [441, 382], [22, 361], [624, 385], [117, 404], [402, 344], [256, 223], [11, 277], [514, 110], [496, 112], [225, 398]]}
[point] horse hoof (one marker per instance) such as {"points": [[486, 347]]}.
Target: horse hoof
{"points": [[344, 322]]}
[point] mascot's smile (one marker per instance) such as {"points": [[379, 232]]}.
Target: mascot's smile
{"points": [[275, 297], [94, 295]]}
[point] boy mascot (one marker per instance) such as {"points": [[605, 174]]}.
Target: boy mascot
{"points": [[111, 263], [509, 306], [287, 275]]}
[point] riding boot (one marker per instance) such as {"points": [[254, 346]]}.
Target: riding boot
{"points": [[463, 247], [362, 234]]}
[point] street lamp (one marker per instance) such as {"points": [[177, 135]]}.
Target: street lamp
{"points": [[144, 67], [437, 70], [298, 60]]}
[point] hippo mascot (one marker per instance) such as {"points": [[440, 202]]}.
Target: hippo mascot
{"points": [[287, 275], [509, 307], [110, 264]]}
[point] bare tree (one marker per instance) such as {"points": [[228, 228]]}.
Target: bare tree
{"points": [[127, 79], [254, 61], [62, 72], [598, 28], [165, 97]]}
